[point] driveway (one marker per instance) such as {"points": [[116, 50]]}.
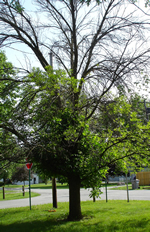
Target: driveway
{"points": [[63, 196]]}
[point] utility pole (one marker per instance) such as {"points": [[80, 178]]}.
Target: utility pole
{"points": [[54, 189], [106, 189]]}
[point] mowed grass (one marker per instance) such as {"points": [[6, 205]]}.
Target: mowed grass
{"points": [[123, 187], [112, 216], [49, 186], [40, 186], [130, 188], [12, 195]]}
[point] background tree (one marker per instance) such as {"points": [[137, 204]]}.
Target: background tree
{"points": [[9, 144], [4, 175], [6, 171], [21, 174], [147, 2], [100, 48]]}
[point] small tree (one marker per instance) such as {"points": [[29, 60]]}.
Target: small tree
{"points": [[21, 174]]}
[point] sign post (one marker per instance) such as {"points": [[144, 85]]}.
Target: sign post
{"points": [[29, 166], [127, 188]]}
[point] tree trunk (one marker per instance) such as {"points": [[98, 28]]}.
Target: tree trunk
{"points": [[94, 198], [74, 199], [54, 192]]}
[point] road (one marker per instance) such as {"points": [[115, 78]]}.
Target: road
{"points": [[63, 196]]}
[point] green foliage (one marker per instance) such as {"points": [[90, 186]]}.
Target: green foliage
{"points": [[20, 174], [17, 6], [8, 88], [95, 192], [10, 93], [147, 3], [6, 170], [64, 142], [4, 175], [122, 124]]}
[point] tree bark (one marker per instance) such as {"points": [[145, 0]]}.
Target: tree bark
{"points": [[74, 199], [54, 191], [94, 198]]}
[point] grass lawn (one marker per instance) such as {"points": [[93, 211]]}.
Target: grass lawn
{"points": [[49, 186], [41, 186], [113, 216], [130, 188], [12, 195], [123, 187]]}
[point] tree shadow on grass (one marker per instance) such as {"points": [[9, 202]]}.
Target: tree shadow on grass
{"points": [[83, 226], [94, 220]]}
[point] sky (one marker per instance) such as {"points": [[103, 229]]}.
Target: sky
{"points": [[17, 57], [20, 55]]}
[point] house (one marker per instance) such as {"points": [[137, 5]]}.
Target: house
{"points": [[35, 179]]}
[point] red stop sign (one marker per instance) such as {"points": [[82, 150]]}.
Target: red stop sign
{"points": [[29, 165]]}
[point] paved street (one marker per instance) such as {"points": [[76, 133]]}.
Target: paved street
{"points": [[63, 196]]}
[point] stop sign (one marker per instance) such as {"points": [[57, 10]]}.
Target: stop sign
{"points": [[29, 165]]}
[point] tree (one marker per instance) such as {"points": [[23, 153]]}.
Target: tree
{"points": [[6, 172], [147, 2], [3, 175], [20, 174], [98, 48], [9, 145]]}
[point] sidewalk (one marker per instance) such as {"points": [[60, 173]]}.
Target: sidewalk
{"points": [[63, 196]]}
